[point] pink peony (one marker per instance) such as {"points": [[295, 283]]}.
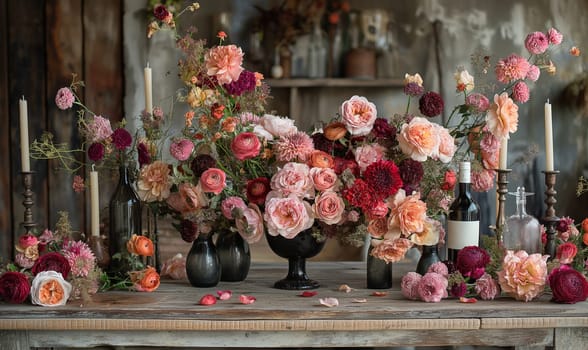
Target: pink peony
{"points": [[329, 207], [224, 63], [359, 115], [213, 180], [533, 73], [536, 43], [478, 102], [98, 129], [410, 285], [554, 37], [440, 268], [287, 216], [486, 287], [482, 180], [368, 154], [250, 224], [503, 116], [567, 285], [512, 68], [245, 145], [181, 149], [323, 178], [80, 258], [231, 203], [419, 139], [520, 92], [64, 98], [471, 261], [294, 146], [432, 287], [523, 276], [293, 178]]}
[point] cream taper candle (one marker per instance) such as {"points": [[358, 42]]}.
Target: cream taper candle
{"points": [[24, 135], [503, 155], [148, 90], [548, 138], [94, 203]]}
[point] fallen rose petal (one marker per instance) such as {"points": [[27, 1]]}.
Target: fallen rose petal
{"points": [[208, 299], [361, 300], [307, 294], [379, 294], [224, 294], [329, 302], [247, 299], [467, 300], [345, 288]]}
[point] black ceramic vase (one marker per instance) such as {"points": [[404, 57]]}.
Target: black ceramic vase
{"points": [[296, 250], [379, 272], [202, 263], [235, 256], [429, 256]]}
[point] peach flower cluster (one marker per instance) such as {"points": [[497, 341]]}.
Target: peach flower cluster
{"points": [[224, 63], [154, 182], [421, 139], [523, 276]]}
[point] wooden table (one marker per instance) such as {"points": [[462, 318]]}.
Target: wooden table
{"points": [[172, 317]]}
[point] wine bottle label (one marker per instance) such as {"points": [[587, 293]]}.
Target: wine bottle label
{"points": [[462, 233]]}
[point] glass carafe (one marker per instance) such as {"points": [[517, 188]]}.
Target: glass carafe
{"points": [[524, 231]]}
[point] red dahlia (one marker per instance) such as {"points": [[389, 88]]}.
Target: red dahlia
{"points": [[383, 177]]}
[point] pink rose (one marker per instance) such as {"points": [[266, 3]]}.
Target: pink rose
{"points": [[447, 146], [323, 178], [181, 149], [410, 285], [246, 145], [329, 207], [287, 216], [224, 63], [440, 268], [432, 287], [379, 210], [231, 203], [359, 115], [293, 178], [368, 154], [566, 252], [486, 287], [64, 98], [213, 180], [419, 139], [523, 276], [250, 224]]}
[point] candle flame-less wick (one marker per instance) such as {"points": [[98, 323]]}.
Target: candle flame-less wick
{"points": [[547, 99], [147, 64], [93, 167], [22, 97]]}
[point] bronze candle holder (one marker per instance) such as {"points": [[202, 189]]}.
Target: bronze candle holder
{"points": [[501, 192], [28, 202], [550, 220]]}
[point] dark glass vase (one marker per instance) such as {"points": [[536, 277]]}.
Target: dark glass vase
{"points": [[296, 250], [125, 220], [152, 233], [429, 256], [379, 272], [235, 256], [202, 263]]}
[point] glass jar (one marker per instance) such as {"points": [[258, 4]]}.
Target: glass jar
{"points": [[523, 230]]}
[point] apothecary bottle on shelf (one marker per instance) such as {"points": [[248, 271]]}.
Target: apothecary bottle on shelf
{"points": [[463, 224], [524, 231], [125, 220], [318, 52]]}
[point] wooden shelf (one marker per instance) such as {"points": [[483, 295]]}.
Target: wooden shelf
{"points": [[334, 82]]}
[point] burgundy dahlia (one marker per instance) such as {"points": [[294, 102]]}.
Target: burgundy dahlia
{"points": [[568, 286], [361, 195], [188, 230], [245, 83], [431, 104], [201, 163], [322, 143], [14, 287], [471, 261], [383, 177], [96, 152], [257, 190], [411, 173], [143, 154], [382, 129], [52, 262], [121, 138]]}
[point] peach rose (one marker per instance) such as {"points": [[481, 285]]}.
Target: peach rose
{"points": [[523, 276], [323, 178], [50, 289], [146, 280], [287, 216], [224, 63], [188, 199], [390, 250], [368, 154], [503, 116], [408, 213], [432, 231], [321, 159], [419, 139], [250, 224], [359, 115], [447, 146], [246, 145], [335, 131], [229, 124], [293, 178], [329, 207], [140, 245], [154, 182], [213, 180], [377, 228]]}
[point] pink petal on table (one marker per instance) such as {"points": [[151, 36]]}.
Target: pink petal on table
{"points": [[345, 288], [467, 300], [307, 294], [246, 299], [360, 300], [329, 302], [224, 294], [208, 299], [379, 294]]}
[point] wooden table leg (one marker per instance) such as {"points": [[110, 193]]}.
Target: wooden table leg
{"points": [[570, 338], [15, 340]]}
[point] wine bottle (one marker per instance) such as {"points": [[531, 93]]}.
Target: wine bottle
{"points": [[463, 224]]}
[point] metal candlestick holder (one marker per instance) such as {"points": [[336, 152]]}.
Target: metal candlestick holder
{"points": [[550, 219], [28, 202], [501, 192]]}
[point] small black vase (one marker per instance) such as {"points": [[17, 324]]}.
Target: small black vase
{"points": [[429, 256], [296, 250], [202, 263], [235, 256], [379, 272]]}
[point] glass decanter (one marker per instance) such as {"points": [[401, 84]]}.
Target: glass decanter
{"points": [[523, 230]]}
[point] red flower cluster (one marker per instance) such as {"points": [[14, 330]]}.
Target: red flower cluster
{"points": [[471, 261]]}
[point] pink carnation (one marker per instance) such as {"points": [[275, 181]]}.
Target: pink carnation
{"points": [[21, 260], [554, 37], [440, 268], [64, 98], [98, 129], [482, 180], [224, 63], [486, 287], [533, 73], [512, 68], [410, 285], [478, 102], [536, 43], [432, 287], [520, 92], [181, 149]]}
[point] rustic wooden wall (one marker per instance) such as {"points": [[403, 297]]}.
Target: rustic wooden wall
{"points": [[42, 43]]}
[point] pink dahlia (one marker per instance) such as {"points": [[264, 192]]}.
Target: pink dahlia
{"points": [[520, 92], [554, 37], [98, 129], [80, 258], [536, 43], [383, 177], [64, 98], [512, 68], [296, 145], [224, 63]]}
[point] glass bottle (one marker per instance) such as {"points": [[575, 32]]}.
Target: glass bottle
{"points": [[317, 52], [524, 231], [125, 220], [463, 224]]}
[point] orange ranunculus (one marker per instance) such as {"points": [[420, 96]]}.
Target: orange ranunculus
{"points": [[321, 159], [335, 131], [585, 225], [140, 245], [146, 280]]}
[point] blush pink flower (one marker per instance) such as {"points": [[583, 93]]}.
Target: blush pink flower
{"points": [[447, 146], [213, 180], [536, 43], [293, 146], [440, 268], [554, 37], [23, 261], [419, 139], [174, 267], [482, 179], [154, 182], [478, 102], [250, 224], [368, 154], [520, 92], [329, 207], [432, 287], [64, 98], [430, 233], [503, 116], [78, 184], [487, 287], [231, 203], [359, 115], [533, 73], [98, 129], [523, 276], [512, 68], [287, 216], [246, 145], [293, 178], [274, 126], [409, 285], [27, 240], [224, 63], [181, 149], [323, 178], [390, 250], [80, 257]]}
